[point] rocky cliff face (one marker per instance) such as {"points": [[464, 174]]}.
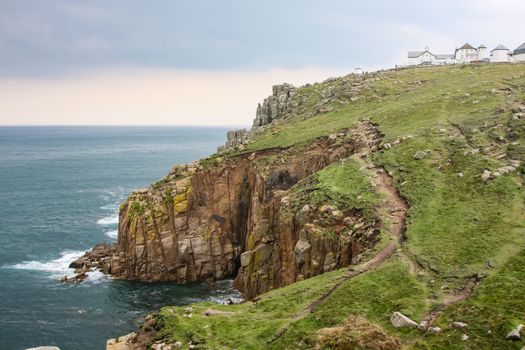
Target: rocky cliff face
{"points": [[239, 218], [276, 106]]}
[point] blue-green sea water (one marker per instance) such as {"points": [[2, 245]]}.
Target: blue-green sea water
{"points": [[60, 188]]}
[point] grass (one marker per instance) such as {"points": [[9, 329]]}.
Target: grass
{"points": [[374, 295], [495, 308], [458, 226], [252, 324], [343, 184]]}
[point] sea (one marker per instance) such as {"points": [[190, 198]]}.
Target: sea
{"points": [[60, 190]]}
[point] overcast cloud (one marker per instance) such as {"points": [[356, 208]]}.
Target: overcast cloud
{"points": [[65, 41]]}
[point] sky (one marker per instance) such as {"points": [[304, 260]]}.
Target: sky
{"points": [[209, 62]]}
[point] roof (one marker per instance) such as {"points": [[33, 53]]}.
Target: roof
{"points": [[444, 56], [520, 50], [467, 46], [500, 47], [416, 54], [482, 46]]}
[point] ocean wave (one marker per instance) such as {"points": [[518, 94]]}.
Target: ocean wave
{"points": [[59, 267], [112, 234], [95, 277], [56, 266], [108, 220]]}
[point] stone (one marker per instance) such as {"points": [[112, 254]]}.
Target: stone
{"points": [[434, 330], [458, 325], [326, 208], [302, 247], [124, 342], [246, 258], [486, 175], [285, 201], [337, 215], [177, 345], [44, 348], [515, 334], [423, 325], [464, 337], [399, 320], [419, 155]]}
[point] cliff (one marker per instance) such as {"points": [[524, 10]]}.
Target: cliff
{"points": [[238, 218], [388, 208]]}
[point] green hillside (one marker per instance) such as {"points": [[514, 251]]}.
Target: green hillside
{"points": [[454, 146]]}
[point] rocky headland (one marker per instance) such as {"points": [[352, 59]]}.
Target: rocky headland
{"points": [[379, 211]]}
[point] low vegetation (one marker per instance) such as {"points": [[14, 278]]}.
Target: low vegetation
{"points": [[448, 132]]}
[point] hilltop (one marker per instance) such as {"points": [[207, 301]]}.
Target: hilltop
{"points": [[350, 200]]}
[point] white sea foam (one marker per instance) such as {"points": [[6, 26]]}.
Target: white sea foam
{"points": [[108, 220], [59, 266], [112, 234], [95, 277]]}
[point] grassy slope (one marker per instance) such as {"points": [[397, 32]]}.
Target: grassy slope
{"points": [[457, 226]]}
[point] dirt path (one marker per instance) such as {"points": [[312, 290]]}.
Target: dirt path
{"points": [[395, 207]]}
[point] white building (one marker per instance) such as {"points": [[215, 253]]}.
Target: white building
{"points": [[464, 54], [500, 54], [468, 53], [518, 55], [428, 58]]}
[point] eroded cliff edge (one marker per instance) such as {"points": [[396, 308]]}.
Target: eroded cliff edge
{"points": [[247, 215], [239, 218]]}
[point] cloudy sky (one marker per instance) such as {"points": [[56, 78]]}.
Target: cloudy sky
{"points": [[210, 62]]}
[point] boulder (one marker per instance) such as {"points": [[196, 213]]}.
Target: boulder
{"points": [[246, 258], [458, 325], [486, 175], [423, 325], [399, 320], [419, 155], [434, 330], [44, 348], [302, 247], [515, 333]]}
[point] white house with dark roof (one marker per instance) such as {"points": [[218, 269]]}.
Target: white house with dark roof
{"points": [[500, 54], [465, 54], [468, 53], [518, 55]]}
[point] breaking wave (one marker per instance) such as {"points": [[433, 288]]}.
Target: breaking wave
{"points": [[108, 220]]}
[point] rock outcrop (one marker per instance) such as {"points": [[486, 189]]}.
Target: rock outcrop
{"points": [[235, 139], [237, 218], [276, 106]]}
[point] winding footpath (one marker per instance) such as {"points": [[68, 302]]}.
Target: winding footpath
{"points": [[396, 207]]}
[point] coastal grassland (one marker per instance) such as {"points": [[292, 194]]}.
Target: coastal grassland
{"points": [[373, 295], [461, 117], [251, 325], [275, 321], [493, 310], [343, 184], [458, 225], [462, 231], [406, 101]]}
